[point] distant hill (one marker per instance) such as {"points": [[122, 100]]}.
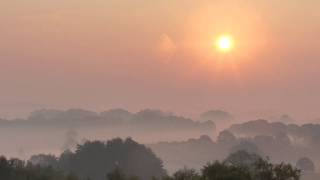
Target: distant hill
{"points": [[52, 130]]}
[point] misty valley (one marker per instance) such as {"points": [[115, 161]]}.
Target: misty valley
{"points": [[151, 144], [159, 90]]}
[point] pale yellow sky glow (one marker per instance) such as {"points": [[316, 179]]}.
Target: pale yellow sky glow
{"points": [[139, 53]]}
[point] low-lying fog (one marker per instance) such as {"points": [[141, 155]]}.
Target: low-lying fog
{"points": [[178, 141]]}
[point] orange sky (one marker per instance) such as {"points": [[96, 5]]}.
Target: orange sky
{"points": [[135, 54]]}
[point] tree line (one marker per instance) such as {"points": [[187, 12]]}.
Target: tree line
{"points": [[127, 160]]}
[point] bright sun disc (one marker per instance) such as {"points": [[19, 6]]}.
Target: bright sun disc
{"points": [[225, 43]]}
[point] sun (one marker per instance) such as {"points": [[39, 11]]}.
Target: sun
{"points": [[224, 43]]}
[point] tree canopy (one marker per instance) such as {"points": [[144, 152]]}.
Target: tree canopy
{"points": [[95, 159]]}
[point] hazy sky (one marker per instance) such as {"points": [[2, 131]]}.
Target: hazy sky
{"points": [[100, 54]]}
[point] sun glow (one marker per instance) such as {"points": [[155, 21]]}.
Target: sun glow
{"points": [[225, 43]]}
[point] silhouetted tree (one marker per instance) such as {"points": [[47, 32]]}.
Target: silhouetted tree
{"points": [[186, 174], [264, 170], [221, 171], [286, 172], [242, 158], [44, 160], [117, 174], [95, 159], [15, 169]]}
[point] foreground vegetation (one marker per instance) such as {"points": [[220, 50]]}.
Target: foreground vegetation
{"points": [[127, 160]]}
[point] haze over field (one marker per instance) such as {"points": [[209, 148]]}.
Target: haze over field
{"points": [[178, 141], [56, 130], [161, 89]]}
